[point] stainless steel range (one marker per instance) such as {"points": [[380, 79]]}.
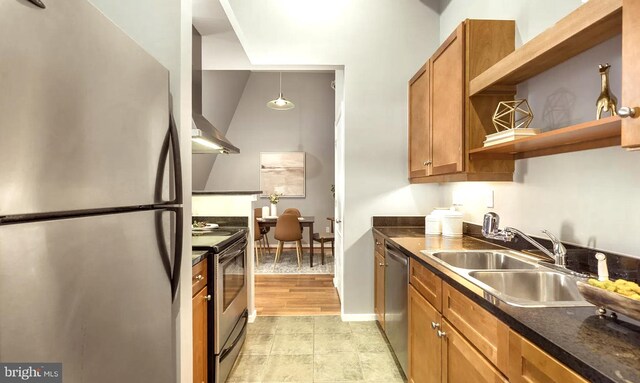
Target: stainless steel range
{"points": [[228, 309]]}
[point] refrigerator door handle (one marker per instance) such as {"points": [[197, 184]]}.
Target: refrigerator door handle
{"points": [[177, 160], [38, 3], [177, 260]]}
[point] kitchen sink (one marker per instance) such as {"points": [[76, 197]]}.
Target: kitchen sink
{"points": [[535, 288], [482, 260]]}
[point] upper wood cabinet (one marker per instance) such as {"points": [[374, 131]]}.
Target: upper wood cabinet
{"points": [[419, 133], [631, 72], [447, 104], [445, 123]]}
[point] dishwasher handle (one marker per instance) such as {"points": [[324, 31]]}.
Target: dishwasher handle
{"points": [[398, 257]]}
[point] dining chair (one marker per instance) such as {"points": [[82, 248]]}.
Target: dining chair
{"points": [[257, 212], [292, 210], [258, 238], [326, 237], [288, 230]]}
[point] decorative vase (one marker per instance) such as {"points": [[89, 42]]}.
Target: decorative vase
{"points": [[274, 210]]}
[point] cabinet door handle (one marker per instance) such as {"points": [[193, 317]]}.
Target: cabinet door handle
{"points": [[207, 297], [378, 243], [199, 277], [442, 334], [435, 325], [626, 112], [426, 163], [381, 264]]}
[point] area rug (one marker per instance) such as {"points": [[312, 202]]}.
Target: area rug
{"points": [[288, 263]]}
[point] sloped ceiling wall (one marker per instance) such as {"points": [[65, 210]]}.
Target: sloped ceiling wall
{"points": [[221, 93]]}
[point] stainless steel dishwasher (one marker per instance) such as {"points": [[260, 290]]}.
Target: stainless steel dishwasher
{"points": [[395, 302]]}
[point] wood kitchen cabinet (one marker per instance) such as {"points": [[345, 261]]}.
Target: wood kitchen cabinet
{"points": [[200, 302], [462, 342], [445, 123], [419, 124], [378, 277], [631, 72], [447, 104], [529, 364], [425, 347], [439, 353], [462, 363]]}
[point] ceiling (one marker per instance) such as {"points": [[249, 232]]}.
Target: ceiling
{"points": [[209, 17]]}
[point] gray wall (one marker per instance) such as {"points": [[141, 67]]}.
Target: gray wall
{"points": [[221, 92], [589, 197], [309, 127]]}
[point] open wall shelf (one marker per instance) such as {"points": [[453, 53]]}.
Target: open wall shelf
{"points": [[588, 135], [587, 26]]}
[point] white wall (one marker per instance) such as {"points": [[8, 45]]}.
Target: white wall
{"points": [[588, 198], [163, 28], [381, 44], [308, 128], [221, 92]]}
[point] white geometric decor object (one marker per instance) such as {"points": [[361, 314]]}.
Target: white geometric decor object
{"points": [[511, 120]]}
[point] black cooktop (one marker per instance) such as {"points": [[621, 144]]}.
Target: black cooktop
{"points": [[216, 239]]}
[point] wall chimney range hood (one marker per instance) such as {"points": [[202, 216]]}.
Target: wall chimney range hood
{"points": [[205, 138]]}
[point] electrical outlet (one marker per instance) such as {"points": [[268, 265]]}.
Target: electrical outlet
{"points": [[489, 199], [327, 229]]}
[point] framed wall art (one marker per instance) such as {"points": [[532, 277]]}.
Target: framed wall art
{"points": [[282, 173]]}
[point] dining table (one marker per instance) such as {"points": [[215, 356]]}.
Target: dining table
{"points": [[305, 221]]}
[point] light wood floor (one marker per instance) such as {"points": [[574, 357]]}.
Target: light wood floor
{"points": [[296, 295]]}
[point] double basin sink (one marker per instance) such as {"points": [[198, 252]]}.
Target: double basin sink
{"points": [[513, 277]]}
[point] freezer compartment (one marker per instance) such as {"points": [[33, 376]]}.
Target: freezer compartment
{"points": [[84, 113], [93, 293]]}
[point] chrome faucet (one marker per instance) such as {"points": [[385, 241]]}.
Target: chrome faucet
{"points": [[490, 229]]}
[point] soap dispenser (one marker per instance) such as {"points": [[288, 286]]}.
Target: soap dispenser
{"points": [[603, 271]]}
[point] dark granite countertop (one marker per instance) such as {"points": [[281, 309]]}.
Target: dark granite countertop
{"points": [[600, 349], [198, 256], [226, 192]]}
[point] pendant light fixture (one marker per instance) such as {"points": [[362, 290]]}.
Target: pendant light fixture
{"points": [[280, 103]]}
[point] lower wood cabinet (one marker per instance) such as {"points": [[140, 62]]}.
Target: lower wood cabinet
{"points": [[529, 364], [439, 353], [488, 334], [378, 275], [463, 363], [425, 347], [465, 343], [200, 303]]}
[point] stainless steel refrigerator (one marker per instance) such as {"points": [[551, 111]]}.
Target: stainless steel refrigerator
{"points": [[90, 197]]}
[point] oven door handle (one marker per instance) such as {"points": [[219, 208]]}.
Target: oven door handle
{"points": [[222, 260], [227, 350]]}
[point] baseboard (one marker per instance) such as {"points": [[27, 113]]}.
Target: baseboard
{"points": [[358, 317], [252, 316]]}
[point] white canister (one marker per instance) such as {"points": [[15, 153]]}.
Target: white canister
{"points": [[432, 225], [433, 222], [452, 224], [265, 211]]}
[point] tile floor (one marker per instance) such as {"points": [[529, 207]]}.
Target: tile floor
{"points": [[314, 349]]}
